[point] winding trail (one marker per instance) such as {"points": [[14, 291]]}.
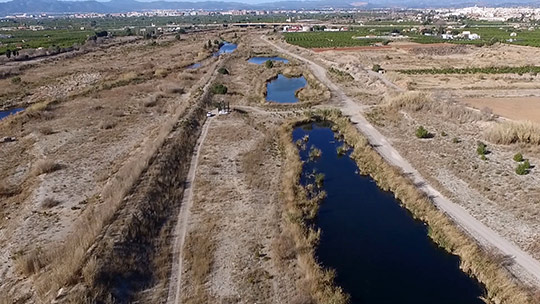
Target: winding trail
{"points": [[180, 230], [529, 266]]}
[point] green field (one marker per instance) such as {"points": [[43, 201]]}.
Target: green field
{"points": [[46, 38], [489, 35], [328, 39]]}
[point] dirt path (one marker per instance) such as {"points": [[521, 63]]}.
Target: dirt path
{"points": [[530, 267], [183, 216]]}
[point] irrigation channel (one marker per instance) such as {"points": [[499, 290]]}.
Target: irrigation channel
{"points": [[381, 254]]}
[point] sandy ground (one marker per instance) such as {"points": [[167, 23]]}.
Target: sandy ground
{"points": [[488, 199], [516, 108], [105, 113]]}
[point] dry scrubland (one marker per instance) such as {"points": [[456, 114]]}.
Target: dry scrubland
{"points": [[488, 188], [94, 123]]}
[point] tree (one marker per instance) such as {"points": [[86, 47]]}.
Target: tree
{"points": [[177, 37], [209, 44], [223, 71], [219, 89], [181, 31], [8, 53], [129, 32], [269, 64]]}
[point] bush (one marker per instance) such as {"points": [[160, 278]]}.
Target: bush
{"points": [[46, 166], [269, 64], [518, 157], [456, 140], [421, 132], [16, 80], [481, 149], [523, 168], [219, 89], [223, 71], [50, 203], [376, 68]]}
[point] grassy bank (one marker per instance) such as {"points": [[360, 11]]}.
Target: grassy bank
{"points": [[484, 264]]}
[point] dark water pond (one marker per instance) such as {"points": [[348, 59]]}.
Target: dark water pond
{"points": [[194, 66], [283, 89], [4, 114], [380, 253], [226, 48], [261, 60]]}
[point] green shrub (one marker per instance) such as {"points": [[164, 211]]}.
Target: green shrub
{"points": [[376, 68], [456, 140], [481, 149], [219, 89], [443, 134], [523, 168], [269, 64], [421, 132], [223, 71], [518, 157]]}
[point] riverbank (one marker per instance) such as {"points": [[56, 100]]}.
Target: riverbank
{"points": [[483, 264]]}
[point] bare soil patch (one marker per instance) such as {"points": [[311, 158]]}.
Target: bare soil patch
{"points": [[515, 108]]}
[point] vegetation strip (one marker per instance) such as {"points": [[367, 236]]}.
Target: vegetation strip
{"points": [[487, 266], [486, 70]]}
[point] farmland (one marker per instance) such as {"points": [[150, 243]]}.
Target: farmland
{"points": [[327, 39], [46, 38], [489, 35]]}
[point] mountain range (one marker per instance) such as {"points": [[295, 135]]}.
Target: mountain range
{"points": [[118, 6]]}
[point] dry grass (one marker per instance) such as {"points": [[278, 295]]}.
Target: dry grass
{"points": [[200, 254], [63, 267], [107, 124], [46, 166], [501, 286], [514, 132], [46, 130], [414, 101], [50, 203], [31, 262], [7, 189]]}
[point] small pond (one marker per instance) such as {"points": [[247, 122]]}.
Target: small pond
{"points": [[381, 254], [283, 89], [4, 114], [261, 60], [194, 66], [226, 48]]}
